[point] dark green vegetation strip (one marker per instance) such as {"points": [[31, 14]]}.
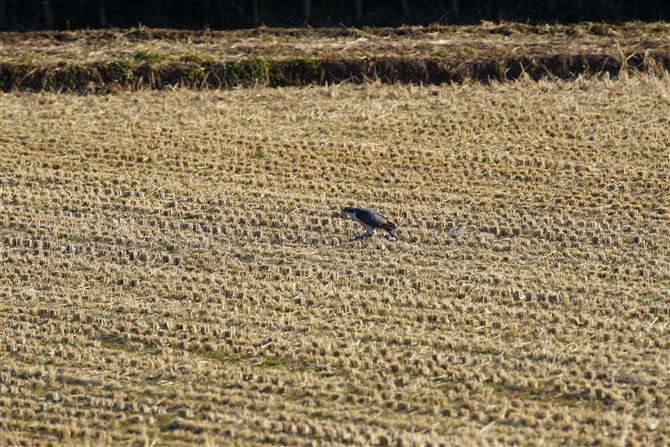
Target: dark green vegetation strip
{"points": [[124, 75]]}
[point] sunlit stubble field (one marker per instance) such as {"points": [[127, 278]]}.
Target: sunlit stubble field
{"points": [[174, 270]]}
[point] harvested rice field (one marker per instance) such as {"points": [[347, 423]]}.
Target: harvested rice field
{"points": [[104, 61], [174, 270]]}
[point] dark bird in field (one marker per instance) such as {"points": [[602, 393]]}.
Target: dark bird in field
{"points": [[371, 220]]}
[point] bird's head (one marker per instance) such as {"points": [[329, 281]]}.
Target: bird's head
{"points": [[348, 211]]}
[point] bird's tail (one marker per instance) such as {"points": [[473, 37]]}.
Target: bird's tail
{"points": [[390, 227]]}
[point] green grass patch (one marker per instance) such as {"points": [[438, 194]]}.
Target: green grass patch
{"points": [[193, 75], [270, 362], [497, 387], [116, 343], [259, 153], [126, 70]]}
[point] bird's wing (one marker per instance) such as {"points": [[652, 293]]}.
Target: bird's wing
{"points": [[370, 217]]}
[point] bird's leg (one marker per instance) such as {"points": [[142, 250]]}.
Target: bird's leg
{"points": [[369, 231], [363, 236]]}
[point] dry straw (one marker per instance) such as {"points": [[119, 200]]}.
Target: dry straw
{"points": [[116, 60], [173, 269]]}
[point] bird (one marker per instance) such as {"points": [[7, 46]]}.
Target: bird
{"points": [[371, 220]]}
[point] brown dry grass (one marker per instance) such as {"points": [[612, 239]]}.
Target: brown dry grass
{"points": [[115, 60], [454, 42], [173, 270]]}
